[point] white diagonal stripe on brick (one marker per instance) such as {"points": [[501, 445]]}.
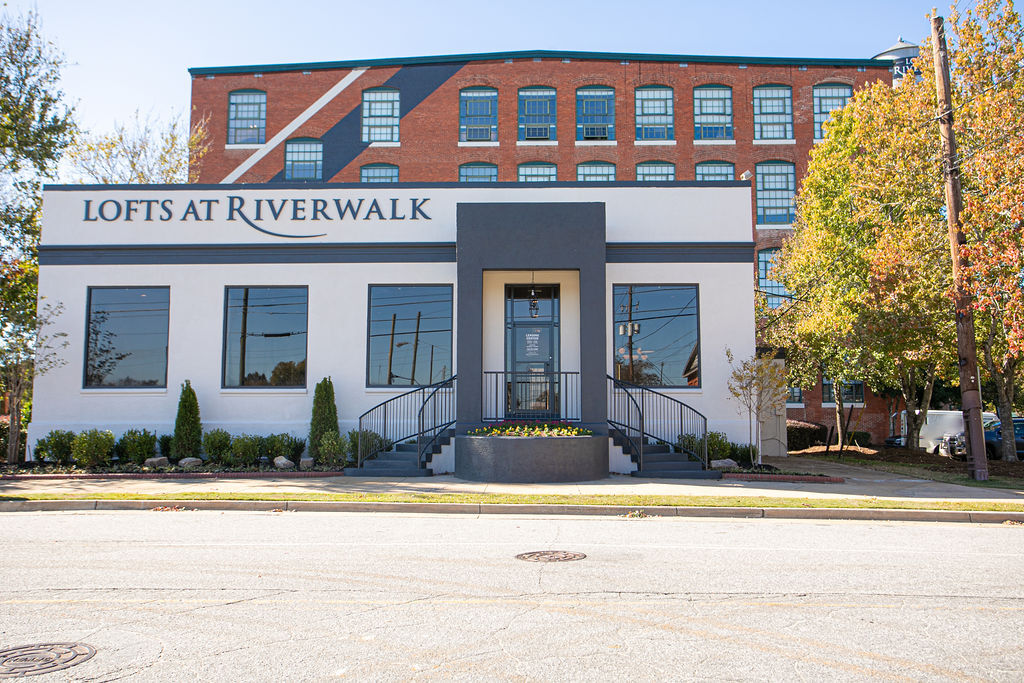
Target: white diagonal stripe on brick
{"points": [[285, 132]]}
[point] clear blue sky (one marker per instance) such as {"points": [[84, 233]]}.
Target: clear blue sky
{"points": [[133, 54]]}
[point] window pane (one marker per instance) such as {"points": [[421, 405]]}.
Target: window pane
{"points": [[655, 171], [657, 335], [537, 173], [712, 113], [126, 337], [654, 119], [265, 337], [382, 173], [537, 114], [597, 172], [380, 116], [410, 335], [776, 191], [773, 113], [478, 115], [853, 391], [828, 98], [708, 171], [304, 160], [247, 118], [774, 292], [595, 114], [795, 395], [478, 173]]}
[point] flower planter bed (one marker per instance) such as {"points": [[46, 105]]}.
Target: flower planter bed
{"points": [[525, 459]]}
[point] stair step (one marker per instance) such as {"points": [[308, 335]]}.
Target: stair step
{"points": [[389, 472], [377, 463], [679, 474], [665, 457], [671, 465], [656, 448], [406, 447]]}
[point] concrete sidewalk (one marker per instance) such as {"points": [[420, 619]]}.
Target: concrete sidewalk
{"points": [[860, 483]]}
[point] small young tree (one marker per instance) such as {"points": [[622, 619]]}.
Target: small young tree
{"points": [[325, 416], [759, 386], [188, 430]]}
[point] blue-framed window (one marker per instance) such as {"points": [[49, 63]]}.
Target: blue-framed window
{"points": [[247, 117], [538, 173], [655, 171], [711, 171], [795, 395], [773, 112], [776, 192], [712, 112], [827, 98], [378, 173], [595, 113], [853, 391], [537, 114], [478, 115], [654, 117], [774, 292], [595, 171], [304, 159], [478, 173], [381, 113]]}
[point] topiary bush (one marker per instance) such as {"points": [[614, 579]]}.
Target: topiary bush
{"points": [[135, 445], [188, 430], [325, 416], [166, 441], [93, 447], [333, 449], [55, 447], [801, 435], [217, 444], [245, 450]]}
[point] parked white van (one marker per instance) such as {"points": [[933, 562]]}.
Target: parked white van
{"points": [[936, 424]]}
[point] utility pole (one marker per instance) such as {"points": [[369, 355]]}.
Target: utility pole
{"points": [[415, 349], [391, 347], [967, 353]]}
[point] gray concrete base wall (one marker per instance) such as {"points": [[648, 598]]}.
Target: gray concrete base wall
{"points": [[531, 460]]}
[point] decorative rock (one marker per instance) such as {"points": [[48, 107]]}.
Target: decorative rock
{"points": [[283, 463], [725, 464], [190, 463], [157, 462], [306, 463]]}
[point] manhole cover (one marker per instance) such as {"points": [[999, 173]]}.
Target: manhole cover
{"points": [[33, 660], [550, 556]]}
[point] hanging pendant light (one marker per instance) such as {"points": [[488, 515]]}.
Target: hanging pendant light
{"points": [[534, 304]]}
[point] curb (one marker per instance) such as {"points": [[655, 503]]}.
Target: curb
{"points": [[875, 515], [262, 474], [792, 478]]}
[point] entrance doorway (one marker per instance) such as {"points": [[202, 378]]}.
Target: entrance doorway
{"points": [[532, 352]]}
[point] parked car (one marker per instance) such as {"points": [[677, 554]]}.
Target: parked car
{"points": [[938, 425], [954, 445]]}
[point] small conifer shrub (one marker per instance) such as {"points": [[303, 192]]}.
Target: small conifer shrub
{"points": [[325, 416], [188, 430]]}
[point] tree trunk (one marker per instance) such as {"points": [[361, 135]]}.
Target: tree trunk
{"points": [[1003, 376], [917, 406], [837, 396], [16, 388]]}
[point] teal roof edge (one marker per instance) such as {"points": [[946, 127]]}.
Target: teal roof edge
{"points": [[535, 54]]}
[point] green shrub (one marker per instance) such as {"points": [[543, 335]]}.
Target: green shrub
{"points": [[93, 447], [166, 441], [135, 445], [188, 430], [801, 435], [56, 447], [286, 445], [333, 449], [741, 453], [718, 446], [372, 441], [325, 416], [245, 450], [217, 444]]}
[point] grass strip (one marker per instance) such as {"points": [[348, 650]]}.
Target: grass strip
{"points": [[922, 472], [537, 499]]}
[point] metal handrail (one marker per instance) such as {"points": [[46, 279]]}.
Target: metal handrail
{"points": [[624, 427], [386, 420], [436, 427], [665, 419], [502, 391]]}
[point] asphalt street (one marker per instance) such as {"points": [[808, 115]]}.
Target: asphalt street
{"points": [[170, 595]]}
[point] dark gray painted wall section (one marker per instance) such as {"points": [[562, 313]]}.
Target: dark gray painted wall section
{"points": [[532, 237]]}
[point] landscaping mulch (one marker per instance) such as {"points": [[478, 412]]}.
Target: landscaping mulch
{"points": [[261, 474], [923, 459], [792, 478]]}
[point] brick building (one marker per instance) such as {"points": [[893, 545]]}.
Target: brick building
{"points": [[543, 116]]}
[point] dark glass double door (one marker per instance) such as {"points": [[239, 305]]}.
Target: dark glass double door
{"points": [[532, 381]]}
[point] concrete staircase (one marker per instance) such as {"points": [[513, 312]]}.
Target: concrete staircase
{"points": [[662, 461], [400, 461]]}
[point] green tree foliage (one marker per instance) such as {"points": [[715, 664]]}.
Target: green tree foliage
{"points": [[758, 385], [188, 430], [325, 416]]}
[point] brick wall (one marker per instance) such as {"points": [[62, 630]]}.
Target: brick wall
{"points": [[872, 417]]}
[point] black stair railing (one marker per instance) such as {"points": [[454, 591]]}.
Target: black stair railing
{"points": [[437, 415], [402, 417], [642, 414]]}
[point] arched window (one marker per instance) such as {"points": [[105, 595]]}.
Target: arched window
{"points": [[655, 171], [654, 117], [478, 173], [827, 98], [773, 112], [381, 113], [595, 113], [304, 159], [478, 115], [247, 117], [772, 290], [538, 172], [537, 114], [378, 173], [776, 191], [595, 171], [708, 171], [712, 112]]}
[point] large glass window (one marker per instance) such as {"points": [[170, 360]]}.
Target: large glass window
{"points": [[827, 98], [478, 173], [657, 335], [773, 291], [126, 337], [265, 336], [537, 114], [380, 115], [654, 117], [773, 112], [247, 117], [595, 114], [853, 391], [655, 171], [410, 335], [708, 171], [537, 173], [478, 115], [304, 160], [776, 191], [712, 112], [378, 173], [595, 171]]}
